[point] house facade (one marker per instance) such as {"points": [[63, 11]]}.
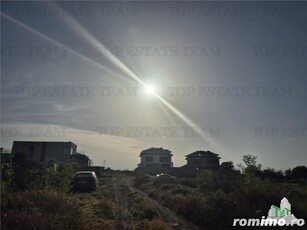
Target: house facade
{"points": [[38, 151], [203, 160], [156, 158], [5, 156]]}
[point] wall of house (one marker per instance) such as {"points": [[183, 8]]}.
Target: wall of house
{"points": [[45, 151], [203, 162], [59, 151], [156, 160]]}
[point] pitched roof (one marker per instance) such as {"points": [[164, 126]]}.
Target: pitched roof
{"points": [[201, 153], [48, 142], [156, 150]]}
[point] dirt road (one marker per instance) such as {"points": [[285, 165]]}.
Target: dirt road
{"points": [[124, 219]]}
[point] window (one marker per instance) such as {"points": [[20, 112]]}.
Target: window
{"points": [[149, 159], [66, 151], [196, 162], [213, 162], [165, 159]]}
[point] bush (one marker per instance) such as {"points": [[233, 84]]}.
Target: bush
{"points": [[221, 198], [140, 209], [7, 182], [104, 210], [207, 181], [59, 179], [192, 183], [37, 209], [155, 224], [141, 179], [40, 210]]}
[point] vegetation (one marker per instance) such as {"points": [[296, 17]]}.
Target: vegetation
{"points": [[38, 197], [214, 198], [37, 209]]}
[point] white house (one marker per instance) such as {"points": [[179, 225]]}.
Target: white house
{"points": [[156, 157]]}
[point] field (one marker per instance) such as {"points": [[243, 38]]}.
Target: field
{"points": [[130, 200]]}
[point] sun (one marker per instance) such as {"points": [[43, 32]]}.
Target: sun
{"points": [[149, 89]]}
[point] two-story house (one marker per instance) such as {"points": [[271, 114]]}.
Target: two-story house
{"points": [[156, 158], [203, 160]]}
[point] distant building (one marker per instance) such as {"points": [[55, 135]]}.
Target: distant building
{"points": [[202, 160], [156, 158], [5, 155], [39, 151]]}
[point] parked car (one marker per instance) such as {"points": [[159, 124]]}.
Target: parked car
{"points": [[166, 176], [85, 181]]}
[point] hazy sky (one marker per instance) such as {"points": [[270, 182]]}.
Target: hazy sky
{"points": [[230, 77]]}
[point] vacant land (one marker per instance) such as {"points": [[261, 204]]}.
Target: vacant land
{"points": [[129, 200], [132, 208]]}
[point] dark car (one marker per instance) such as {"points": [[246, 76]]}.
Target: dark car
{"points": [[85, 181]]}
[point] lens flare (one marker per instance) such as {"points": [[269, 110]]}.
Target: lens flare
{"points": [[149, 89]]}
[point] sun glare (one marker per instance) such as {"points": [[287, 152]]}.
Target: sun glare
{"points": [[150, 89]]}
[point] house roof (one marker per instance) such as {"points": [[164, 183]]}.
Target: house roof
{"points": [[205, 154], [159, 151], [48, 142]]}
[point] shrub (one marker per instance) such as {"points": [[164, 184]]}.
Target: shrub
{"points": [[141, 179], [37, 209], [7, 182], [155, 224], [40, 210], [192, 183], [181, 190], [207, 181], [140, 209], [51, 179], [104, 210]]}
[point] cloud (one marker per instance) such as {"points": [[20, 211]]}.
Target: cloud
{"points": [[119, 152]]}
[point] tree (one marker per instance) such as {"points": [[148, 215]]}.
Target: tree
{"points": [[273, 174], [228, 165], [296, 173], [299, 172], [250, 165]]}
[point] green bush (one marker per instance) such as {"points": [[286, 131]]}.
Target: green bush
{"points": [[59, 179]]}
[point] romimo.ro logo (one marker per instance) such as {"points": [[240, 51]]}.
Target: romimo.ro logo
{"points": [[277, 216]]}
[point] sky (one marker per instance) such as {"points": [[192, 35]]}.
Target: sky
{"points": [[229, 77]]}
